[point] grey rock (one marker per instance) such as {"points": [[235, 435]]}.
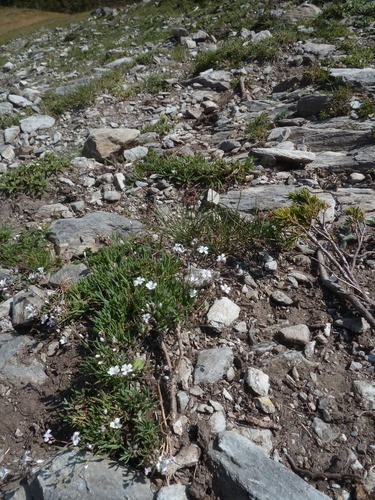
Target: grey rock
{"points": [[212, 365], [75, 475], [27, 306], [293, 157], [75, 235], [111, 195], [264, 404], [257, 381], [328, 138], [217, 422], [38, 122], [7, 152], [136, 153], [260, 36], [217, 80], [279, 134], [119, 62], [312, 105], [223, 313], [103, 142], [182, 401], [365, 393], [19, 101], [355, 325], [11, 134], [295, 335], [318, 49], [325, 432], [53, 211], [229, 145], [119, 181], [354, 177], [14, 368], [265, 197], [6, 108], [188, 456], [68, 275], [174, 492], [363, 198], [278, 366], [242, 471], [8, 66], [363, 77], [281, 298]]}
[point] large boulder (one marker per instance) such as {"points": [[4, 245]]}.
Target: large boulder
{"points": [[104, 142]]}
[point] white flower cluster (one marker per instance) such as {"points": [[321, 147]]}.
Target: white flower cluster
{"points": [[123, 370], [162, 464], [151, 285]]}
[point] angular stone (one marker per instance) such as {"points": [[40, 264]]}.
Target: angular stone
{"points": [[261, 437], [119, 62], [325, 432], [11, 134], [318, 49], [136, 153], [217, 422], [55, 210], [38, 122], [365, 393], [7, 152], [103, 142], [281, 298], [218, 80], [19, 101], [68, 275], [242, 471], [355, 325], [188, 456], [229, 145], [295, 335], [212, 364], [15, 368], [222, 313], [312, 105], [327, 139], [6, 108], [265, 405], [293, 157], [257, 381], [174, 492], [76, 235], [27, 306]]}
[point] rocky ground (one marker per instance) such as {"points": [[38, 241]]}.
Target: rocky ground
{"points": [[270, 357]]}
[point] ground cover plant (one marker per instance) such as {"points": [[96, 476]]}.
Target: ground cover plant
{"points": [[191, 170], [132, 298], [32, 178]]}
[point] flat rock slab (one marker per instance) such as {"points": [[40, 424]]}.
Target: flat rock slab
{"points": [[218, 80], [174, 492], [363, 77], [103, 142], [294, 157], [75, 475], [34, 123], [257, 198], [365, 393], [355, 196], [243, 471], [295, 335], [212, 365], [15, 371], [68, 275], [328, 138], [75, 235]]}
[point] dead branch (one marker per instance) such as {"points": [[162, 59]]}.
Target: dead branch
{"points": [[341, 292]]}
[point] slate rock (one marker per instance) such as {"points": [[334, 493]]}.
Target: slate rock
{"points": [[19, 101], [326, 432], [281, 298], [27, 306], [136, 153], [363, 77], [295, 335], [318, 139], [217, 422], [229, 145], [219, 80], [265, 197], [355, 325], [73, 475], [103, 142], [54, 210], [75, 235], [14, 369], [293, 157], [68, 275], [35, 123], [312, 105], [318, 49], [212, 365], [6, 108], [242, 471], [261, 437], [222, 313]]}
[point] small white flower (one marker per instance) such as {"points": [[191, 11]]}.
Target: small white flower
{"points": [[44, 319], [3, 283], [41, 270], [147, 470], [221, 258], [225, 288], [146, 317], [102, 428], [63, 340], [26, 459], [75, 438], [162, 464], [47, 436], [192, 293], [115, 424], [114, 370], [138, 281], [202, 249], [206, 274], [178, 248], [151, 285], [4, 472], [126, 368]]}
